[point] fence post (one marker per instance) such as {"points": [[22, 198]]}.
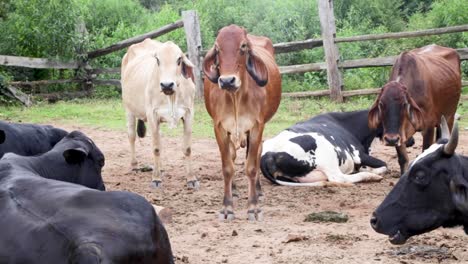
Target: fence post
{"points": [[194, 46], [83, 67], [327, 23]]}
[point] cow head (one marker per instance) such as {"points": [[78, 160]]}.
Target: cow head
{"points": [[432, 193], [85, 160], [232, 55], [172, 64], [397, 112]]}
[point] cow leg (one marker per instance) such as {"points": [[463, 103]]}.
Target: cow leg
{"points": [[378, 166], [227, 163], [258, 186], [156, 145], [192, 181], [428, 137], [131, 132], [402, 158], [253, 158], [232, 149]]}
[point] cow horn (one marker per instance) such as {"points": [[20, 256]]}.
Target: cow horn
{"points": [[449, 148], [444, 128]]}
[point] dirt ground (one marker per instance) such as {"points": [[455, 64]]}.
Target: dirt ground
{"points": [[197, 236]]}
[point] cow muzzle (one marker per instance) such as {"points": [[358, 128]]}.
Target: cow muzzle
{"points": [[392, 139], [167, 88], [229, 83]]}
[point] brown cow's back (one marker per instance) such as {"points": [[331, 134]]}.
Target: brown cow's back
{"points": [[432, 76]]}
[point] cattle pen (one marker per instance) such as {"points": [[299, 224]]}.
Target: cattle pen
{"points": [[331, 224], [88, 76]]}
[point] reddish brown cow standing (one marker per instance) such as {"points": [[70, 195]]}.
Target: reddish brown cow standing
{"points": [[242, 92], [425, 84]]}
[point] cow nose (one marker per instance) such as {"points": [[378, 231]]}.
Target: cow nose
{"points": [[374, 221], [227, 82], [167, 87], [392, 141]]}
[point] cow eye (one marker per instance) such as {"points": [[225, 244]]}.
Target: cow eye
{"points": [[179, 60], [420, 178], [157, 59]]}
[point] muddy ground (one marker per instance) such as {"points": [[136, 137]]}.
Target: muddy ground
{"points": [[197, 236]]}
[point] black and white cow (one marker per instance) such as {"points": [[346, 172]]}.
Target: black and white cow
{"points": [[28, 139], [433, 192], [324, 150], [50, 221], [74, 159]]}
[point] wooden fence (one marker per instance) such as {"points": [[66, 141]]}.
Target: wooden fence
{"points": [[189, 22], [333, 65]]}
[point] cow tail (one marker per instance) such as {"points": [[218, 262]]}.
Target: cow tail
{"points": [[267, 165], [141, 129]]}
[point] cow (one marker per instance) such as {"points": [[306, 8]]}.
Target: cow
{"points": [[323, 150], [425, 83], [430, 194], [157, 86], [28, 139], [433, 192], [50, 221], [242, 91], [74, 159]]}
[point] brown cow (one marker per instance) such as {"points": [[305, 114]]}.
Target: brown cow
{"points": [[242, 92], [425, 84]]}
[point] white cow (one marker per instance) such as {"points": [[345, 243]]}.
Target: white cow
{"points": [[157, 87]]}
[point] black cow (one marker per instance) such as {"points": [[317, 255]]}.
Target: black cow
{"points": [[49, 221], [74, 159], [28, 139], [433, 192], [327, 147]]}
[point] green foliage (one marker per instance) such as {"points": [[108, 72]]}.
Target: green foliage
{"points": [[49, 28], [34, 30]]}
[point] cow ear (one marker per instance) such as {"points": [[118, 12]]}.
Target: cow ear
{"points": [[373, 118], [2, 136], [210, 65], [459, 190], [257, 68], [415, 115], [187, 68], [75, 155]]}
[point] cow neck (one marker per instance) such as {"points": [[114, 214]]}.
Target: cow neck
{"points": [[235, 102], [47, 165]]}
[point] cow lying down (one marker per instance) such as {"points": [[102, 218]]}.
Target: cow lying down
{"points": [[74, 159], [51, 221], [28, 139], [324, 150]]}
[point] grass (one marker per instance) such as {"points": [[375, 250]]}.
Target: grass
{"points": [[109, 114]]}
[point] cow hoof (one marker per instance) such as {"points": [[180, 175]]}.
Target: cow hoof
{"points": [[375, 178], [255, 215], [194, 185], [226, 215], [157, 184]]}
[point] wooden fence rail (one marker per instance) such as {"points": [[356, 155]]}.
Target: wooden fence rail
{"points": [[352, 64], [126, 43], [37, 63]]}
